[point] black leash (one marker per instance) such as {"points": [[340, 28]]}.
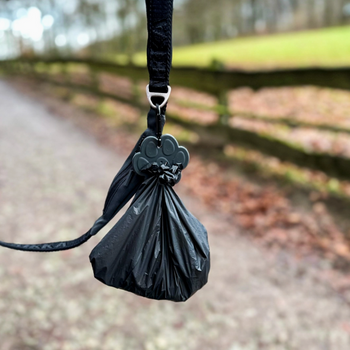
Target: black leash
{"points": [[127, 181], [159, 46]]}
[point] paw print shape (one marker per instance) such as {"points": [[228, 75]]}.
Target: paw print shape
{"points": [[168, 153]]}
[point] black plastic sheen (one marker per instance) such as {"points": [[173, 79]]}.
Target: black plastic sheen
{"points": [[158, 249]]}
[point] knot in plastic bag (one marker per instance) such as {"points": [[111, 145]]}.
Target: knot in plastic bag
{"points": [[167, 175]]}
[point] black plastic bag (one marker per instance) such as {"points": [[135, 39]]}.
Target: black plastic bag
{"points": [[158, 249]]}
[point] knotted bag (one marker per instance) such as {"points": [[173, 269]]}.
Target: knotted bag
{"points": [[158, 249]]}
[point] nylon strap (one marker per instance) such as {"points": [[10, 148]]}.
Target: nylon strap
{"points": [[159, 45], [126, 183]]}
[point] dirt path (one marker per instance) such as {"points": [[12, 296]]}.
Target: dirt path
{"points": [[53, 181]]}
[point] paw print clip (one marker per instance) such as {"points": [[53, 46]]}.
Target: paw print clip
{"points": [[168, 153]]}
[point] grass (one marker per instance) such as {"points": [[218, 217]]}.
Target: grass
{"points": [[322, 47]]}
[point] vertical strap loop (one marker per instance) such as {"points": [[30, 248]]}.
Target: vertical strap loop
{"points": [[159, 46]]}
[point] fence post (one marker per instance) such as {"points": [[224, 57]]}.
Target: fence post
{"points": [[95, 84], [65, 73], [223, 111], [95, 80], [67, 81], [136, 93]]}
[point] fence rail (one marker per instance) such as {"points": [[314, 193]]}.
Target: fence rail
{"points": [[216, 83]]}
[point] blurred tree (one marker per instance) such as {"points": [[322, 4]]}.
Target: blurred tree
{"points": [[131, 16], [102, 27]]}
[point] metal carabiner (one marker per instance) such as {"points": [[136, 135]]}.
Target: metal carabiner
{"points": [[165, 96]]}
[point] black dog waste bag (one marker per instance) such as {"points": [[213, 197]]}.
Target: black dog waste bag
{"points": [[158, 249]]}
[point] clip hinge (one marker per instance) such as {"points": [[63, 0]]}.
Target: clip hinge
{"points": [[165, 96]]}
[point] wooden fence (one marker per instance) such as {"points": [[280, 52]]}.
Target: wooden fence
{"points": [[216, 83]]}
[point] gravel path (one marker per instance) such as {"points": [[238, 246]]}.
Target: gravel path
{"points": [[53, 181]]}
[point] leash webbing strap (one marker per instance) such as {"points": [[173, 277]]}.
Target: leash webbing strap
{"points": [[159, 45]]}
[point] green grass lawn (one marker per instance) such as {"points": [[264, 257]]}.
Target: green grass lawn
{"points": [[324, 47]]}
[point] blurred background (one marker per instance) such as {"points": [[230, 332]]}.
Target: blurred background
{"points": [[260, 98], [116, 29]]}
